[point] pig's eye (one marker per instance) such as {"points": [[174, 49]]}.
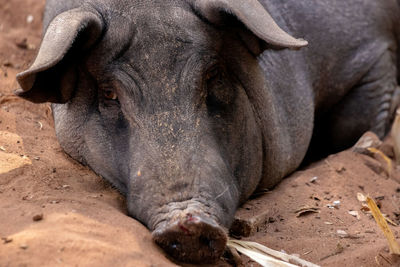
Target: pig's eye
{"points": [[212, 74], [219, 93], [110, 95]]}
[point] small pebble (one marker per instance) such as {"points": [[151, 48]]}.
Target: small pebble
{"points": [[37, 217], [23, 44], [29, 19], [342, 233], [354, 214], [334, 205], [8, 64], [6, 240]]}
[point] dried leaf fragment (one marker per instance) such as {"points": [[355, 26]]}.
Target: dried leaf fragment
{"points": [[266, 256], [385, 259], [381, 221], [389, 220], [339, 249], [303, 210], [354, 213], [385, 158], [367, 210], [342, 233], [361, 197]]}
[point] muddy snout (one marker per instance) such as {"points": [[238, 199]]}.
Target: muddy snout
{"points": [[191, 238]]}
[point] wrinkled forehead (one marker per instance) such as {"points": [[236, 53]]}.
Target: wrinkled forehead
{"points": [[160, 22], [172, 25], [167, 12], [156, 36]]}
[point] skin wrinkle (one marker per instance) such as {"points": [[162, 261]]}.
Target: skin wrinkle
{"points": [[220, 195], [200, 193], [136, 82], [165, 212]]}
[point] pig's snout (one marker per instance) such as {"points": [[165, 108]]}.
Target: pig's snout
{"points": [[191, 238]]}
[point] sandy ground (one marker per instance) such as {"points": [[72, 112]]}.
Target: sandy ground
{"points": [[55, 212]]}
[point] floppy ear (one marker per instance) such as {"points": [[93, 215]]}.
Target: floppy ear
{"points": [[254, 16], [53, 75]]}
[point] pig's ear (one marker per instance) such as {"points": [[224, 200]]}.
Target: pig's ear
{"points": [[53, 75], [252, 14]]}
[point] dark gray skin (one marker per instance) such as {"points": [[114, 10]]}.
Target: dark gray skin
{"points": [[188, 106]]}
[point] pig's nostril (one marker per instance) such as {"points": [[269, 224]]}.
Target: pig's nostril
{"points": [[175, 246], [205, 241], [197, 241]]}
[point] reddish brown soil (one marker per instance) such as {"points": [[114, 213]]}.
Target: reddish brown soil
{"points": [[84, 220]]}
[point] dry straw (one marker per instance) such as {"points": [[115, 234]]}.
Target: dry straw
{"points": [[266, 256]]}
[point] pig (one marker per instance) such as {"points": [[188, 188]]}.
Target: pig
{"points": [[189, 106]]}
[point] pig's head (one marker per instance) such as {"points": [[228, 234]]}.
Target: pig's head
{"points": [[154, 96]]}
